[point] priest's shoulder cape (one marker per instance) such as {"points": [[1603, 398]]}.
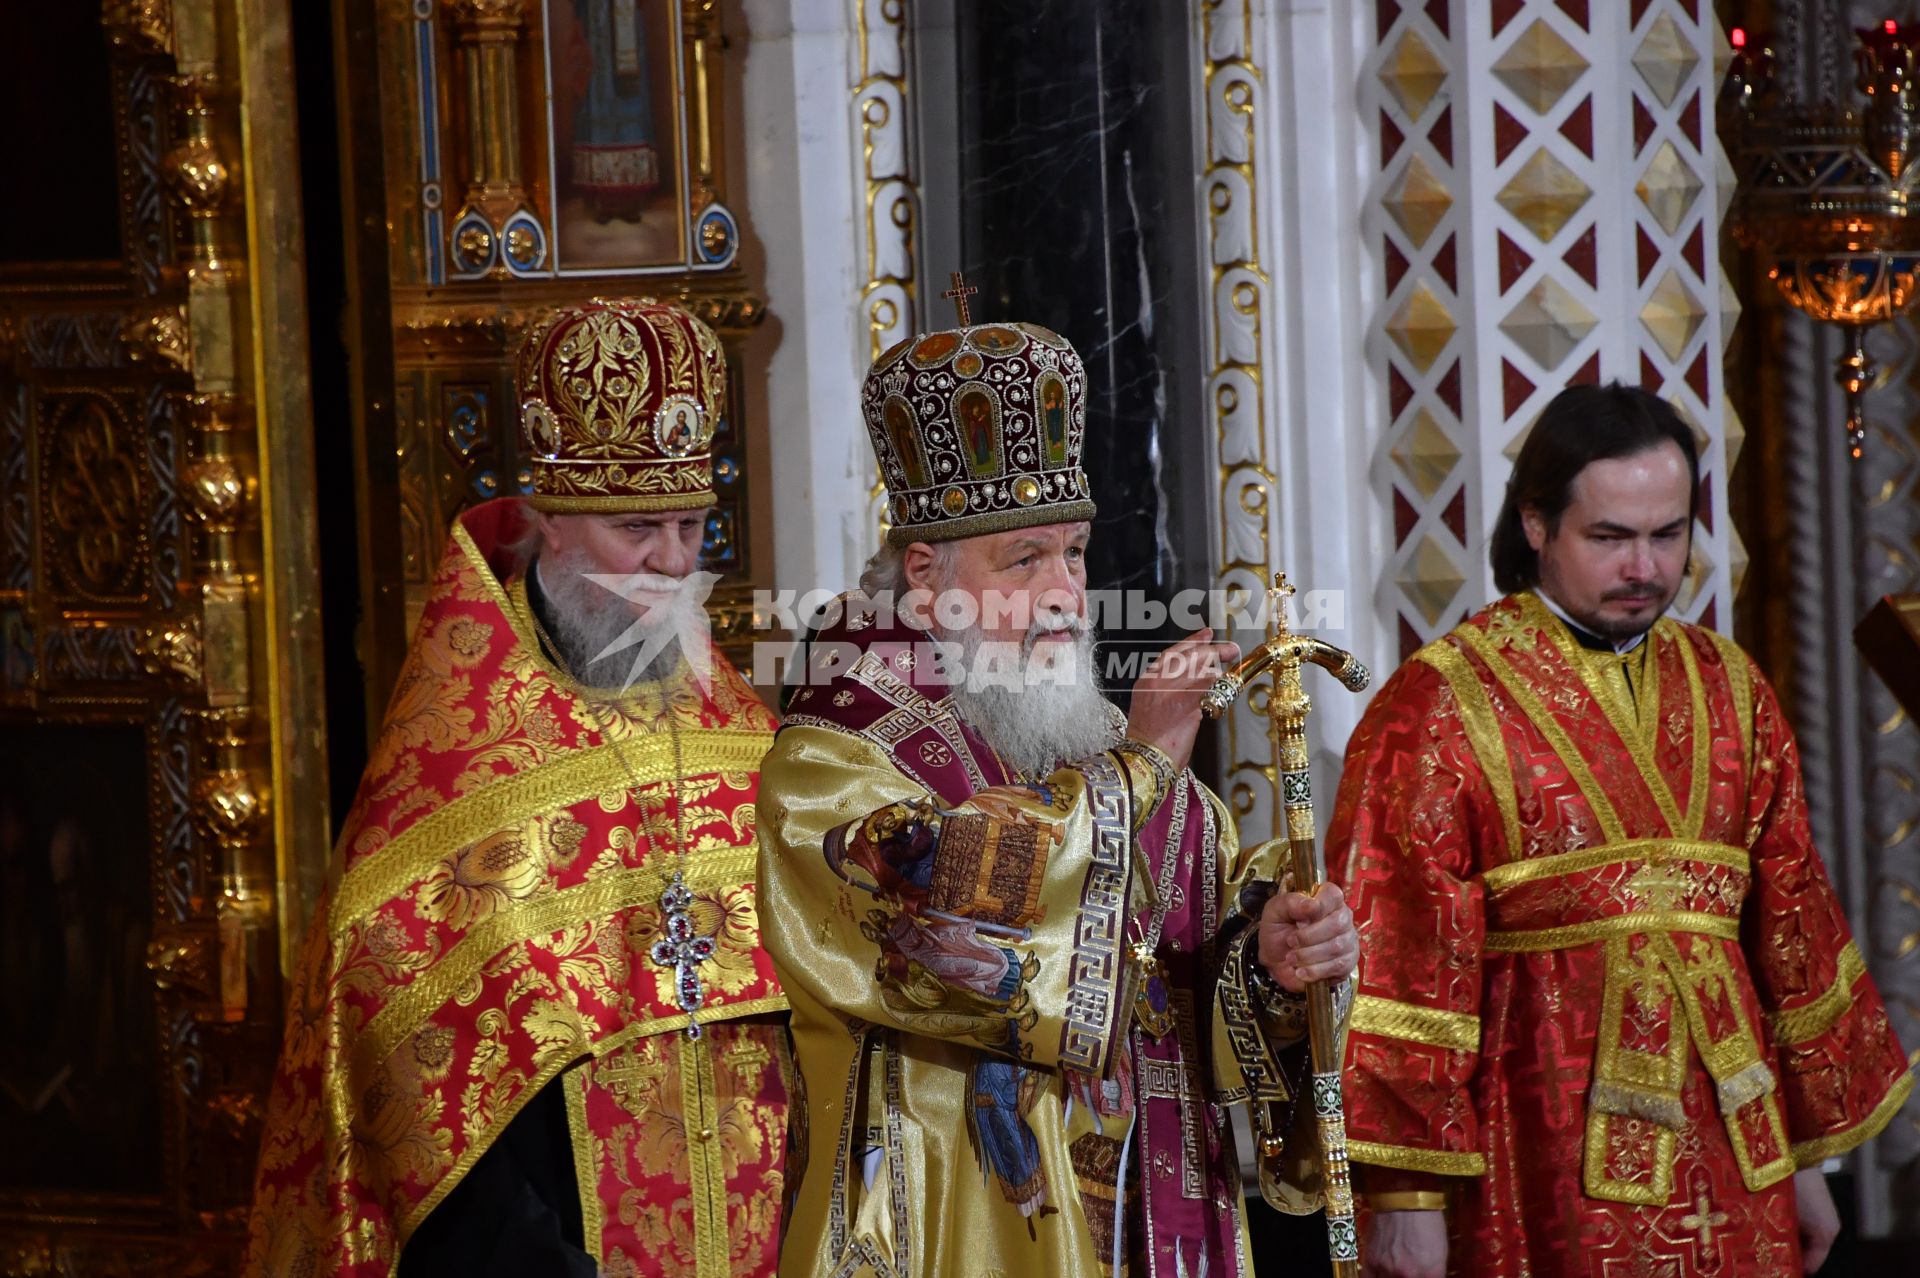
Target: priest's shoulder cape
{"points": [[993, 1084], [498, 893], [1605, 977]]}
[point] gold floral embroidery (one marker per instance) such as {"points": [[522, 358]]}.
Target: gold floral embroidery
{"points": [[483, 878]]}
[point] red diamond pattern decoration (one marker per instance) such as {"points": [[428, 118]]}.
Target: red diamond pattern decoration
{"points": [[1443, 263], [1441, 134], [1508, 133], [1504, 12], [1697, 376], [1399, 391], [1455, 515], [1410, 641], [1449, 388], [1580, 256], [1690, 120], [1646, 252], [1390, 139], [1578, 127], [1404, 517], [1386, 13], [1514, 388], [1642, 126], [1513, 261], [1396, 265], [1577, 10]]}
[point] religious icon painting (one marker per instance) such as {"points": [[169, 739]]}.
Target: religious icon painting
{"points": [[614, 83], [995, 339], [976, 417], [679, 426], [906, 442], [79, 1048], [1003, 1094], [933, 348], [1052, 396]]}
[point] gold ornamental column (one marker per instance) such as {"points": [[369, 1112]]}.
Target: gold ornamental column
{"points": [[496, 234]]}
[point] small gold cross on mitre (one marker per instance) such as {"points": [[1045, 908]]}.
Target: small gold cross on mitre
{"points": [[958, 295]]}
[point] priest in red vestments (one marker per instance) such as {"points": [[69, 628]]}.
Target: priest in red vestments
{"points": [[533, 1030], [1610, 1020]]}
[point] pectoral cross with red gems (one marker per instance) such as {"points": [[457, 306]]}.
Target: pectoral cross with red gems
{"points": [[958, 295], [683, 951]]}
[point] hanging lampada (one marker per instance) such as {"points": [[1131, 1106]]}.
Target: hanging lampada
{"points": [[1826, 193]]}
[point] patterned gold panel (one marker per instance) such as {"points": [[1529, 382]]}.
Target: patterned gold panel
{"points": [[145, 660]]}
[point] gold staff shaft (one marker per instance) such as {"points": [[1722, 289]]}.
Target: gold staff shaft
{"points": [[1281, 658]]}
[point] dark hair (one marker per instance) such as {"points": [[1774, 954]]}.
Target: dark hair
{"points": [[1582, 425]]}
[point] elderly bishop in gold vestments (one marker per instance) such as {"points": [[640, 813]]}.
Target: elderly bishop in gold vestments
{"points": [[1025, 978]]}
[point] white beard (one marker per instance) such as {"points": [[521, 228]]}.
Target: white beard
{"points": [[586, 619], [1037, 710]]}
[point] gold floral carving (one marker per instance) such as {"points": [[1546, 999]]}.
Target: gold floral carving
{"points": [[160, 338], [230, 806], [139, 26], [94, 496], [216, 492], [892, 190], [182, 961], [172, 650]]}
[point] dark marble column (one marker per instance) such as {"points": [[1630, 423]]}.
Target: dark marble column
{"points": [[1076, 191]]}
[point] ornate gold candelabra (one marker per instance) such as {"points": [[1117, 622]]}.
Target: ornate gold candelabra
{"points": [[1827, 193], [1281, 658]]}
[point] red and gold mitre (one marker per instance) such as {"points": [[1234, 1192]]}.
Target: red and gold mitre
{"points": [[978, 430], [618, 404]]}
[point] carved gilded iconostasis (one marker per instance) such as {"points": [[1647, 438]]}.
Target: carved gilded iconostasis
{"points": [[256, 323], [153, 574]]}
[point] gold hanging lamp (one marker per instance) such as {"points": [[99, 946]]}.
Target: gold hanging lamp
{"points": [[1826, 193]]}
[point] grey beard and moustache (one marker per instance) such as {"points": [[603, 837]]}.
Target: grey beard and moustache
{"points": [[583, 617], [1049, 711]]}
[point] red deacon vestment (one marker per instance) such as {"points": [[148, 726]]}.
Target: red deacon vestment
{"points": [[1607, 997]]}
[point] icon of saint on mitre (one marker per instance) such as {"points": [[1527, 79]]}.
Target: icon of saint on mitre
{"points": [[976, 416], [680, 427]]}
